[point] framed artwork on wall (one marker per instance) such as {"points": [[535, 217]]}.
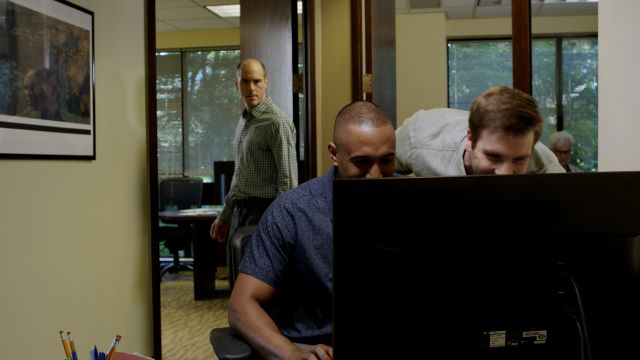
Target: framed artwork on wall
{"points": [[47, 80]]}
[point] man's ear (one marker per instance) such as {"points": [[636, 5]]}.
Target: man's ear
{"points": [[469, 143], [334, 153]]}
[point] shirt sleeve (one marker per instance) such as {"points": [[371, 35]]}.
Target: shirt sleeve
{"points": [[229, 204], [544, 161], [403, 165], [284, 153]]}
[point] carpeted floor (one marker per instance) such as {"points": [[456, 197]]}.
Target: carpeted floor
{"points": [[186, 323]]}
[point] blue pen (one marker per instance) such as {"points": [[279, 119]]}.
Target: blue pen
{"points": [[102, 357], [74, 354], [95, 353]]}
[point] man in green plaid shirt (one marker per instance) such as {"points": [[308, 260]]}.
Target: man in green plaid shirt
{"points": [[265, 157]]}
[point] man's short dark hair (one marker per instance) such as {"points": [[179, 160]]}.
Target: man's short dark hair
{"points": [[360, 113], [505, 109]]}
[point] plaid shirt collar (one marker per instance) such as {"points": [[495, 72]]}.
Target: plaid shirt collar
{"points": [[258, 110]]}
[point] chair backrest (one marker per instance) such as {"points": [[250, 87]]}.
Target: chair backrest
{"points": [[180, 193], [225, 342], [222, 175], [238, 244]]}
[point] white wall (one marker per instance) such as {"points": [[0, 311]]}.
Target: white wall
{"points": [[74, 239], [619, 82]]}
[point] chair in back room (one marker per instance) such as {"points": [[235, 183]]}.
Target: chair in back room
{"points": [[178, 193]]}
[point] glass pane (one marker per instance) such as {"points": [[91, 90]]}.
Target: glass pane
{"points": [[475, 66], [544, 83], [212, 108], [580, 99], [169, 114]]}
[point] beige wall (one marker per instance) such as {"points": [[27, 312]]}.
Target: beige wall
{"points": [[618, 77], [333, 63], [74, 234], [421, 63]]}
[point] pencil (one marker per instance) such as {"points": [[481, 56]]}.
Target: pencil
{"points": [[65, 345], [74, 354], [113, 346]]}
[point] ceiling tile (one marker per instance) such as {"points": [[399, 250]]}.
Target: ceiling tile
{"points": [[161, 26], [173, 3], [216, 2], [199, 24], [401, 6], [459, 13], [424, 4], [192, 12], [493, 11], [457, 3], [568, 9]]}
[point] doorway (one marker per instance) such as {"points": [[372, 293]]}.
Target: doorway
{"points": [[301, 99]]}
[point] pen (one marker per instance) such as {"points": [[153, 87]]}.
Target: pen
{"points": [[74, 355], [65, 345], [113, 346]]}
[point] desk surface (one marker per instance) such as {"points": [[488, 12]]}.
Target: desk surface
{"points": [[204, 247], [200, 214]]}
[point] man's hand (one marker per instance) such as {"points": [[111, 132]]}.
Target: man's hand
{"points": [[312, 352], [219, 230]]}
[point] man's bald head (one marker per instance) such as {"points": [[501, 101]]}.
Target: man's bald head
{"points": [[251, 62], [358, 113], [364, 142]]}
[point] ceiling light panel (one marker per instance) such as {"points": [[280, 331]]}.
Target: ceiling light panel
{"points": [[225, 10]]}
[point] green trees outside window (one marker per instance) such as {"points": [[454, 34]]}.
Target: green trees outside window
{"points": [[198, 110]]}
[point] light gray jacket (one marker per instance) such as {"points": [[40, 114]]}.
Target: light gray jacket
{"points": [[431, 143]]}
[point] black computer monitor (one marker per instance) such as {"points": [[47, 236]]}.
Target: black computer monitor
{"points": [[487, 267]]}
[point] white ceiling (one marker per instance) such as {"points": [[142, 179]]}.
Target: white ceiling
{"points": [[179, 15]]}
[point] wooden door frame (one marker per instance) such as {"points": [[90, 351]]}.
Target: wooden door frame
{"points": [[521, 45], [152, 142]]}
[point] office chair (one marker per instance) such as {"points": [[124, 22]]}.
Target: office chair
{"points": [[225, 342], [176, 194]]}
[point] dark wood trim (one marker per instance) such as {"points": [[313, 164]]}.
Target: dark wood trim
{"points": [[152, 151], [295, 104], [559, 86], [521, 33], [311, 156], [356, 51], [368, 48]]}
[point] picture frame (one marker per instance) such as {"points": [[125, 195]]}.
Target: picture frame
{"points": [[47, 80]]}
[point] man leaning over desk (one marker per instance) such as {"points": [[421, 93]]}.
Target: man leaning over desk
{"points": [[499, 135]]}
